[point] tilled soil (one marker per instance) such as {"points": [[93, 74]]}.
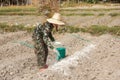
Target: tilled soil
{"points": [[98, 61], [18, 60], [87, 58], [74, 20]]}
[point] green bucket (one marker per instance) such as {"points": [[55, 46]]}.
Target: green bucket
{"points": [[61, 53]]}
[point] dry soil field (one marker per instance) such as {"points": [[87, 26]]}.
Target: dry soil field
{"points": [[88, 57]]}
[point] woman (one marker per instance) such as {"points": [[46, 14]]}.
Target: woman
{"points": [[42, 38]]}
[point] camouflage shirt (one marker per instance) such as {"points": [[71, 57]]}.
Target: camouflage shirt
{"points": [[43, 34]]}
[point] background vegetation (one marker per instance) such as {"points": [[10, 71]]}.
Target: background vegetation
{"points": [[67, 2], [49, 6], [94, 29]]}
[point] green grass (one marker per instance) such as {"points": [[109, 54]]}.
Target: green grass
{"points": [[72, 29], [4, 27], [114, 14], [114, 30], [18, 13], [98, 10], [101, 14], [97, 30], [80, 14], [18, 9], [94, 29], [30, 10], [10, 28], [70, 14]]}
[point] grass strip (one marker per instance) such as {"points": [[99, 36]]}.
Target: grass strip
{"points": [[69, 10], [94, 29], [18, 13], [114, 14], [80, 14], [4, 27], [18, 8]]}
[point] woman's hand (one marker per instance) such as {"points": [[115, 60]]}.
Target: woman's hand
{"points": [[54, 50]]}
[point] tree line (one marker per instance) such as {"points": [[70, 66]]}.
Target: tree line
{"points": [[30, 2], [15, 2]]}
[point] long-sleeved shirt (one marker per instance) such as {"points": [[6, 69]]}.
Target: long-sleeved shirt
{"points": [[43, 33]]}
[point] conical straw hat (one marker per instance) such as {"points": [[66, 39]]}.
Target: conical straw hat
{"points": [[56, 19]]}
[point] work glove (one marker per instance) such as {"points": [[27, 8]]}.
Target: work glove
{"points": [[57, 43], [56, 52]]}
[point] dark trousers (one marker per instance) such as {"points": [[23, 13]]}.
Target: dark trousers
{"points": [[41, 51]]}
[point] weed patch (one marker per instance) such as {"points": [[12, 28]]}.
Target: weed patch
{"points": [[4, 27], [114, 14], [18, 9], [82, 14], [101, 14], [74, 10], [94, 29], [97, 30], [115, 30]]}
